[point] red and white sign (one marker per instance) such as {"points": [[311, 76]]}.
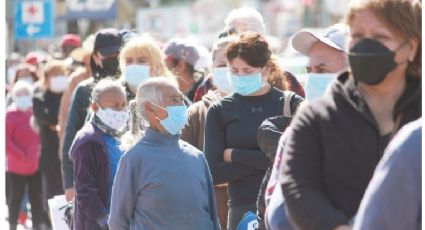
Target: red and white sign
{"points": [[32, 12]]}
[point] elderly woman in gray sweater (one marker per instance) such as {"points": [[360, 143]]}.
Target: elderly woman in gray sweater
{"points": [[162, 182]]}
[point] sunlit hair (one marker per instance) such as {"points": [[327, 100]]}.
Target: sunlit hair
{"points": [[145, 46], [149, 91], [245, 19], [253, 49], [403, 17], [49, 67]]}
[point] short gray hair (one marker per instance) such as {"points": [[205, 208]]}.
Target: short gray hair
{"points": [[103, 86], [245, 19], [151, 90]]}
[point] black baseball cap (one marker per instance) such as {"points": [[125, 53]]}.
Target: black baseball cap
{"points": [[107, 41]]}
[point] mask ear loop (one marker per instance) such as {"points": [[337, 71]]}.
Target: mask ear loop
{"points": [[264, 81], [159, 107], [398, 49]]}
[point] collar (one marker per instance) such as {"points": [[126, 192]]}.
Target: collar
{"points": [[156, 137]]}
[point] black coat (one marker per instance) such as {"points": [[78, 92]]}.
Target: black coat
{"points": [[46, 111], [332, 149]]}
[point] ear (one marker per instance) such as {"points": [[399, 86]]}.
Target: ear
{"points": [[94, 107], [150, 113], [97, 59], [414, 43]]}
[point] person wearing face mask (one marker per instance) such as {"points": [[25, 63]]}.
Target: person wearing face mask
{"points": [[181, 58], [46, 101], [162, 182], [231, 123], [22, 157], [95, 155], [140, 59], [24, 72], [335, 143], [80, 74], [103, 63], [193, 132], [326, 57]]}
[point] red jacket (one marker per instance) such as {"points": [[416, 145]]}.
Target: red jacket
{"points": [[22, 143]]}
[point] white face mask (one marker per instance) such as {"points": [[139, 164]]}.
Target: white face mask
{"points": [[317, 84], [114, 119], [58, 84], [27, 79], [23, 103]]}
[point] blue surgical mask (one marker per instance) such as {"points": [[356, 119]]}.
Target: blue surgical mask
{"points": [[247, 84], [23, 103], [221, 81], [317, 84], [176, 119], [134, 75]]}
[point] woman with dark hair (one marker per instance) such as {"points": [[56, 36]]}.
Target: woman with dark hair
{"points": [[335, 143], [231, 148]]}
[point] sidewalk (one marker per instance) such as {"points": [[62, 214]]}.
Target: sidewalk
{"points": [[5, 224]]}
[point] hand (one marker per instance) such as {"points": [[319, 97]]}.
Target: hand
{"points": [[224, 185], [69, 194], [343, 227], [228, 155]]}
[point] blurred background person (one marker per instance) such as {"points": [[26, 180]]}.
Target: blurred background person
{"points": [[181, 57], [103, 63], [326, 57], [193, 132], [12, 62], [335, 143], [22, 157], [95, 155], [23, 72], [68, 43], [231, 124], [248, 19], [46, 101], [163, 182], [81, 72]]}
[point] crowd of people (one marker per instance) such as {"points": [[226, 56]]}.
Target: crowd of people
{"points": [[140, 134]]}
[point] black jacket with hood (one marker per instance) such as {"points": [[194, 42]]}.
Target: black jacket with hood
{"points": [[331, 153]]}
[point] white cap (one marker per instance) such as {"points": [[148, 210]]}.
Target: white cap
{"points": [[333, 36]]}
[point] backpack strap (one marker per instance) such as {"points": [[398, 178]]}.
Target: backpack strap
{"points": [[287, 96]]}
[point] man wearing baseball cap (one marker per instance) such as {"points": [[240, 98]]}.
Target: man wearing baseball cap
{"points": [[326, 57], [103, 63]]}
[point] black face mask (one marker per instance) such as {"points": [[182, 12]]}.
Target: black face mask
{"points": [[110, 65], [371, 61]]}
